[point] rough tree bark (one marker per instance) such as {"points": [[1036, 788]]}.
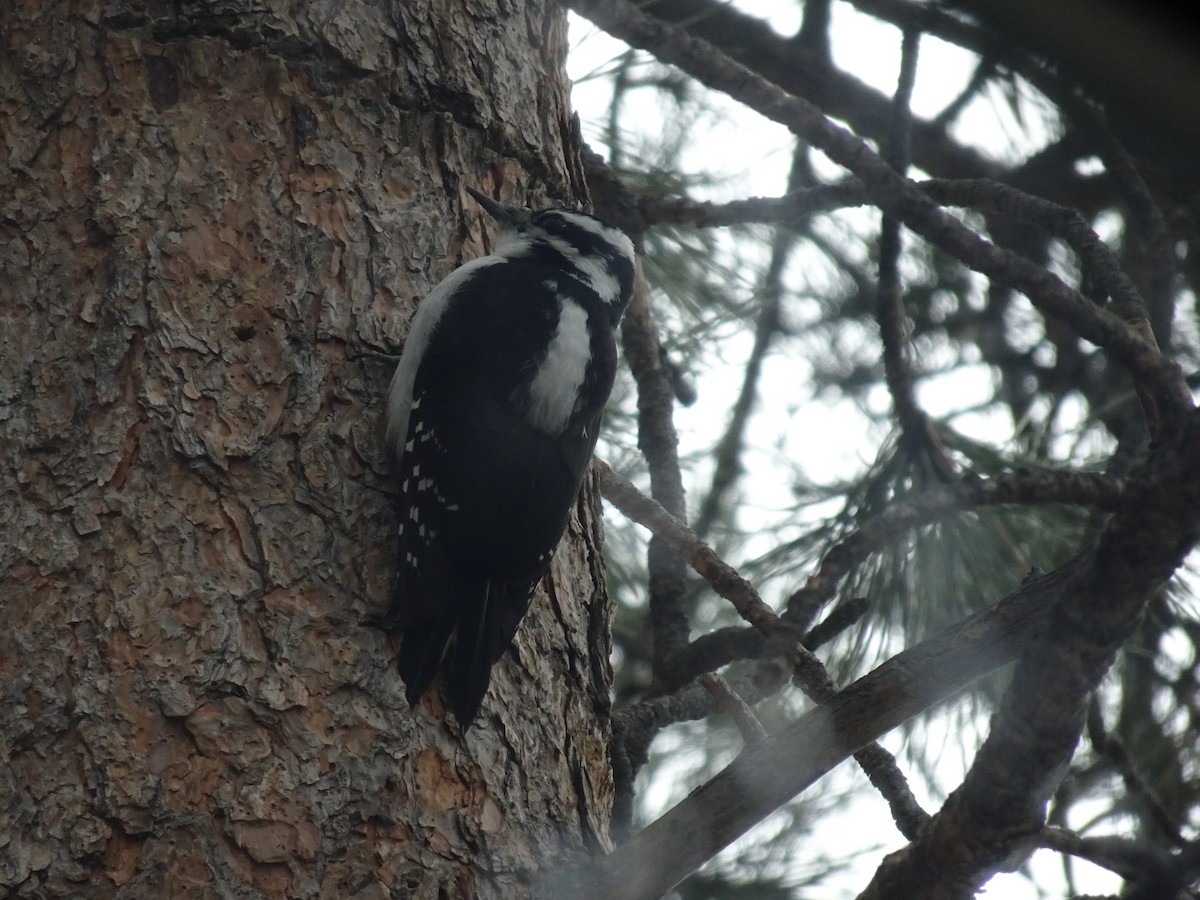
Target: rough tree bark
{"points": [[214, 222]]}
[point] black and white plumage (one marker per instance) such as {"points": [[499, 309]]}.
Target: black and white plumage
{"points": [[492, 417]]}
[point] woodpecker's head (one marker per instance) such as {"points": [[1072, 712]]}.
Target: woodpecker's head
{"points": [[597, 254]]}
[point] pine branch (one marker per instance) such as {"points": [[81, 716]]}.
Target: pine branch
{"points": [[808, 672], [1083, 489], [804, 69], [774, 770], [1026, 488], [999, 809], [898, 197], [894, 327]]}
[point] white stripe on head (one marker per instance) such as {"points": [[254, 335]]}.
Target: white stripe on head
{"points": [[614, 236], [595, 274]]}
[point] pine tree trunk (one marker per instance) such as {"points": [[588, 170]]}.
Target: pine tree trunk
{"points": [[215, 220]]}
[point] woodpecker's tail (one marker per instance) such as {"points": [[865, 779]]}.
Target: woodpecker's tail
{"points": [[475, 627], [421, 652], [474, 650]]}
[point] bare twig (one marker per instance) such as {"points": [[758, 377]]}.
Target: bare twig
{"points": [[721, 576], [657, 438], [1128, 858], [732, 703], [709, 652], [728, 455], [839, 619], [667, 578], [1096, 258], [792, 209], [712, 650], [1110, 747], [982, 195]]}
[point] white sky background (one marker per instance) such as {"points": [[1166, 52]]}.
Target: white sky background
{"points": [[831, 439]]}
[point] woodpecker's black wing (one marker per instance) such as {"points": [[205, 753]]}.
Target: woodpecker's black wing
{"points": [[485, 496]]}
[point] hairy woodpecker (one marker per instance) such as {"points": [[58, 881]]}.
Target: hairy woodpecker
{"points": [[492, 417]]}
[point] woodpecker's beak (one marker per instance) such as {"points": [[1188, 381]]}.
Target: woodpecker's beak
{"points": [[508, 216]]}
